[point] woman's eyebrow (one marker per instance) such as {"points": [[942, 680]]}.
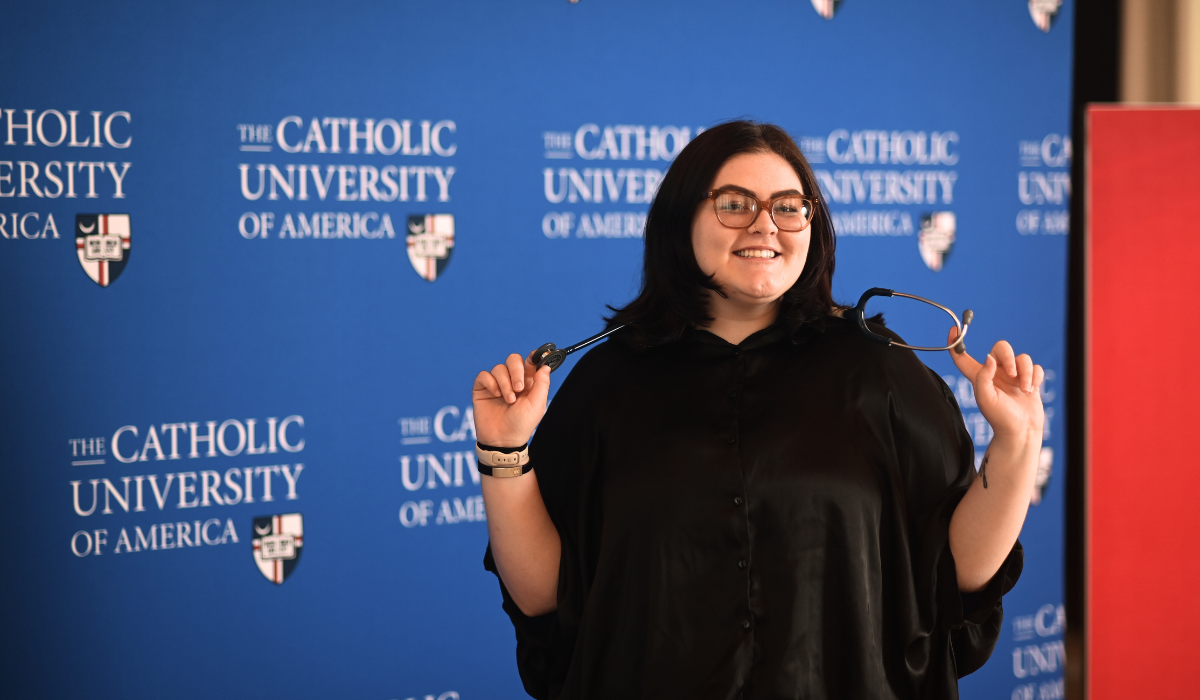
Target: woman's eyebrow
{"points": [[737, 188], [749, 193]]}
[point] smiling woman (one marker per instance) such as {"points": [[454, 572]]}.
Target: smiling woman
{"points": [[690, 254], [739, 245], [739, 495]]}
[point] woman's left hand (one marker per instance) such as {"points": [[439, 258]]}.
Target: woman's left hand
{"points": [[1007, 390], [988, 519]]}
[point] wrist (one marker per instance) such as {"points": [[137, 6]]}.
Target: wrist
{"points": [[501, 445], [502, 440], [1017, 441], [500, 448], [505, 462]]}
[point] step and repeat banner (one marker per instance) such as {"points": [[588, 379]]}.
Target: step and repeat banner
{"points": [[254, 255]]}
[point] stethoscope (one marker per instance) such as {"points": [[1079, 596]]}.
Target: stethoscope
{"points": [[552, 356]]}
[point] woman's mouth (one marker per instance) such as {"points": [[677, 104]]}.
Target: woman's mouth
{"points": [[755, 253]]}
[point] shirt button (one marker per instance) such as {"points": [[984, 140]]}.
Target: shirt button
{"points": [[732, 439], [737, 500], [742, 563], [737, 351], [745, 624]]}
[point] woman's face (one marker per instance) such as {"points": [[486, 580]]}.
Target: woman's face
{"points": [[753, 265]]}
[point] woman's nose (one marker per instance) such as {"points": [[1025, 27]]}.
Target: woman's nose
{"points": [[763, 223]]}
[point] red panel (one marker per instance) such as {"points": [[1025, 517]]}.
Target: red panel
{"points": [[1143, 394]]}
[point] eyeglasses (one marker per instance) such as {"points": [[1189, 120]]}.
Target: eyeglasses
{"points": [[791, 212]]}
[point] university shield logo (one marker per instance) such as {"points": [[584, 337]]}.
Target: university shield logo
{"points": [[278, 540], [1044, 12], [936, 238], [430, 243], [102, 243], [1045, 470], [827, 8]]}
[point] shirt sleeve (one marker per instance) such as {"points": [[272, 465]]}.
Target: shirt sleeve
{"points": [[975, 622], [536, 639], [565, 454], [975, 638], [950, 634]]}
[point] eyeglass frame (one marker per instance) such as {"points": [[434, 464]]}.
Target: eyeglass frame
{"points": [[811, 200]]}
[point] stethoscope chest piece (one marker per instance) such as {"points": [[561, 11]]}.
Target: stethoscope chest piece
{"points": [[550, 355], [547, 355]]}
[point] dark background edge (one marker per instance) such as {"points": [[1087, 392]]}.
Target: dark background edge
{"points": [[1095, 78]]}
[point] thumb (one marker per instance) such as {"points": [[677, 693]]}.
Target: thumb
{"points": [[985, 387], [541, 387], [965, 363]]}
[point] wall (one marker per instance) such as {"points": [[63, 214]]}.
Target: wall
{"points": [[254, 255]]}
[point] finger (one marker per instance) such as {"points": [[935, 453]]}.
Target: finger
{"points": [[516, 371], [530, 372], [1025, 372], [985, 384], [951, 337], [500, 372], [484, 381], [965, 363], [1038, 376], [1005, 358]]}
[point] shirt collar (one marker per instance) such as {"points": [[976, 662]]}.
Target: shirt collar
{"points": [[771, 334]]}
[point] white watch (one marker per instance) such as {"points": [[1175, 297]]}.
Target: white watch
{"points": [[502, 464]]}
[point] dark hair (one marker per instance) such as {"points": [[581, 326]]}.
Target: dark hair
{"points": [[673, 296]]}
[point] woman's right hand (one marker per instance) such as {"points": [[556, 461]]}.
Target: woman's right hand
{"points": [[509, 402]]}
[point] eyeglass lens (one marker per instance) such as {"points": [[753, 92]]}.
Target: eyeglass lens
{"points": [[738, 210]]}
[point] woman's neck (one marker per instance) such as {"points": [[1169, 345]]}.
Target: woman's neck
{"points": [[734, 322]]}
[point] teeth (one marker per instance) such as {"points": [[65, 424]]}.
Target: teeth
{"points": [[755, 253]]}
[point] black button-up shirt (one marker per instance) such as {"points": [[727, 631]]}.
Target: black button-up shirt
{"points": [[766, 520]]}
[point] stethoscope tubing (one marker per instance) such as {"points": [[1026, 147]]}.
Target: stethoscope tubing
{"points": [[552, 356], [859, 312]]}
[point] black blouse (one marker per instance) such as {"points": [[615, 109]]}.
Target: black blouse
{"points": [[762, 520]]}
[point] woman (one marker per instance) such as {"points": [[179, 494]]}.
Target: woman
{"points": [[740, 496]]}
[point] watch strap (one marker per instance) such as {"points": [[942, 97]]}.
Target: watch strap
{"points": [[504, 472], [502, 461]]}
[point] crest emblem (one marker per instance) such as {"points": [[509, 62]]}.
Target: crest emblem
{"points": [[827, 8], [278, 540], [102, 243], [1044, 471], [430, 243], [1043, 12], [936, 238]]}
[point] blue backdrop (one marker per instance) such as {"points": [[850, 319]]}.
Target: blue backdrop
{"points": [[342, 211]]}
